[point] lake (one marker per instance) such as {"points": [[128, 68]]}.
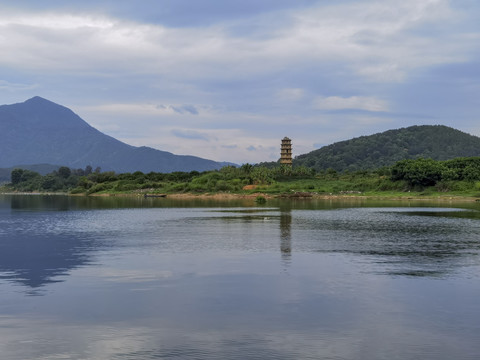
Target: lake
{"points": [[134, 278]]}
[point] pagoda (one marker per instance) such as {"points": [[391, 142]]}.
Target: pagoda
{"points": [[286, 151]]}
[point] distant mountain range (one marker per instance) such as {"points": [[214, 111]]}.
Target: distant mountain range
{"points": [[436, 142], [39, 131]]}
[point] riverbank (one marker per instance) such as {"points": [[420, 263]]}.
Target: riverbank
{"points": [[410, 197], [250, 183], [253, 196]]}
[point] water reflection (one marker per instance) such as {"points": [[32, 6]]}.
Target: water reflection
{"points": [[64, 203], [161, 281], [42, 240], [37, 260], [401, 242], [266, 218], [286, 234], [37, 248]]}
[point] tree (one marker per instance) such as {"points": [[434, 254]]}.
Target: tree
{"points": [[246, 168], [51, 183], [64, 172], [78, 172], [16, 176], [422, 172]]}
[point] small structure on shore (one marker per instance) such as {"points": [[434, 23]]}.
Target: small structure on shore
{"points": [[155, 195], [286, 152]]}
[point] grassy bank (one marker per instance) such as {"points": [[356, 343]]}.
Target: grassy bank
{"points": [[246, 181]]}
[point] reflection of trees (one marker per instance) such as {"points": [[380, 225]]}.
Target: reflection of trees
{"points": [[398, 242]]}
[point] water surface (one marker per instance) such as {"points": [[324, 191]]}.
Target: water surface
{"points": [[120, 278]]}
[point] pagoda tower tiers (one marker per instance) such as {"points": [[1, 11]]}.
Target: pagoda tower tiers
{"points": [[286, 151]]}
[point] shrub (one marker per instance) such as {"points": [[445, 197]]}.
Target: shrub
{"points": [[98, 188], [260, 199], [222, 185], [77, 190]]}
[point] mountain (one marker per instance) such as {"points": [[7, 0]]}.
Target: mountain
{"points": [[39, 131], [437, 142]]}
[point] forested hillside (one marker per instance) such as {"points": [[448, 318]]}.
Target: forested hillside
{"points": [[385, 149]]}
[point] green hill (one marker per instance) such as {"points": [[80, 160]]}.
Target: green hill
{"points": [[437, 142]]}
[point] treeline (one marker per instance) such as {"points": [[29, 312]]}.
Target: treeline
{"points": [[460, 174], [86, 181], [428, 172], [62, 180]]}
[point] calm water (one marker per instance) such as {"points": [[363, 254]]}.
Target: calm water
{"points": [[116, 278]]}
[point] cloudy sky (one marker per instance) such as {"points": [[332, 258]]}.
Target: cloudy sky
{"points": [[227, 79]]}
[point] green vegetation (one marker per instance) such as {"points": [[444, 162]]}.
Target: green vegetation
{"points": [[385, 149], [423, 177], [42, 169], [261, 199]]}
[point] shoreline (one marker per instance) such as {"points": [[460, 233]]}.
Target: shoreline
{"points": [[253, 196]]}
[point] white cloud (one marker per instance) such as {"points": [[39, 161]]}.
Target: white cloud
{"points": [[129, 275], [368, 103], [9, 86]]}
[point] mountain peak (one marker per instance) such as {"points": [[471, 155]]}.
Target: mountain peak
{"points": [[38, 100], [39, 131]]}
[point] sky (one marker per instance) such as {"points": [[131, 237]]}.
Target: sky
{"points": [[228, 79]]}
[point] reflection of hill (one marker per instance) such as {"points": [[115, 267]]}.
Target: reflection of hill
{"points": [[36, 247], [36, 260]]}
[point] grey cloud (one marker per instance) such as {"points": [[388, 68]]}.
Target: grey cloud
{"points": [[185, 109], [190, 109], [176, 109], [182, 109], [189, 134]]}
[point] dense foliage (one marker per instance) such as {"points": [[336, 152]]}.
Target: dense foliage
{"points": [[42, 169], [428, 172], [62, 180], [460, 175], [229, 178], [385, 149]]}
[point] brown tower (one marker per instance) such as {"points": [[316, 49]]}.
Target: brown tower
{"points": [[286, 151]]}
